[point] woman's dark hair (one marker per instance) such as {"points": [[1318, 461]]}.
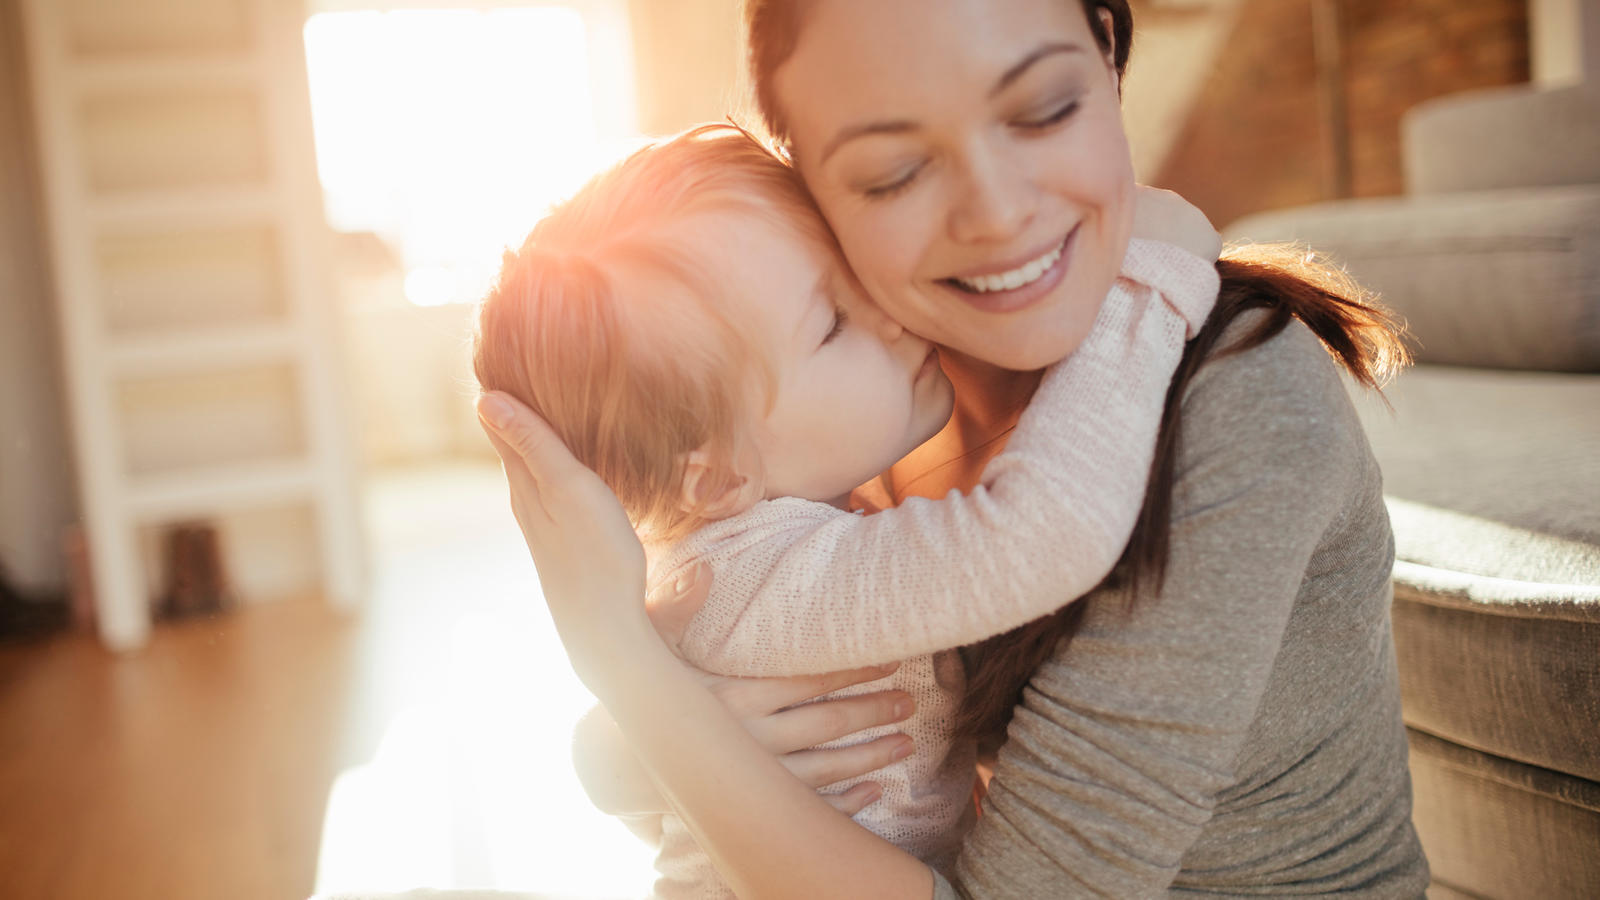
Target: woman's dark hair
{"points": [[1287, 281]]}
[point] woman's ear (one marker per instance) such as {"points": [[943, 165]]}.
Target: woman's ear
{"points": [[717, 490], [1108, 22]]}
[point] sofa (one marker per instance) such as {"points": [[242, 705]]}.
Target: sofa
{"points": [[1491, 461]]}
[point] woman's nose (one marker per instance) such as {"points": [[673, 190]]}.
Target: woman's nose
{"points": [[995, 202]]}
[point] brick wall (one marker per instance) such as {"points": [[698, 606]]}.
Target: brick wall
{"points": [[1256, 138]]}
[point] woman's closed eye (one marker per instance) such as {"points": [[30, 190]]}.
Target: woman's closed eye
{"points": [[1052, 117], [892, 185]]}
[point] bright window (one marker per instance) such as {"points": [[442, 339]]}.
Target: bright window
{"points": [[449, 132]]}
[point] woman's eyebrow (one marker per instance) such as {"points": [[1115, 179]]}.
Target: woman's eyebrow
{"points": [[1022, 66], [850, 133], [901, 126]]}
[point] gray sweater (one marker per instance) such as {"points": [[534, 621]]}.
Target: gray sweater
{"points": [[1240, 733]]}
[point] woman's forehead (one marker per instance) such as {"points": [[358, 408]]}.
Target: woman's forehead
{"points": [[852, 56]]}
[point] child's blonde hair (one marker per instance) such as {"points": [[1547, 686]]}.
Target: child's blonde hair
{"points": [[633, 384]]}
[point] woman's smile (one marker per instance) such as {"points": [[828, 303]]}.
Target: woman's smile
{"points": [[1014, 289]]}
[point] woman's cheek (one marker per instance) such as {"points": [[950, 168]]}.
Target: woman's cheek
{"points": [[876, 248], [908, 239]]}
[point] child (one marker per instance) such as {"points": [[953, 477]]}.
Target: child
{"points": [[687, 326]]}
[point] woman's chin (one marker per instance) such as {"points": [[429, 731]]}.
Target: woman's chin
{"points": [[1042, 335], [1027, 348]]}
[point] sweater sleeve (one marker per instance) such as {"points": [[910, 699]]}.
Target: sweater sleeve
{"points": [[1046, 524], [1115, 761]]}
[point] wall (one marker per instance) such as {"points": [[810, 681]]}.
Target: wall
{"points": [[37, 497], [687, 69], [1174, 51], [1256, 138], [687, 61], [1565, 35]]}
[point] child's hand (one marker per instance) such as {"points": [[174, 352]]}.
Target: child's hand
{"points": [[1164, 216], [672, 605]]}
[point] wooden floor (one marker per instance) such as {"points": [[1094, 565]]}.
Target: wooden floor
{"points": [[200, 767], [196, 768]]}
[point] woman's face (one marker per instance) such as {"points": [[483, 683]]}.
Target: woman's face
{"points": [[970, 156]]}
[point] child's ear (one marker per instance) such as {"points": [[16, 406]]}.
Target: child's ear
{"points": [[714, 497]]}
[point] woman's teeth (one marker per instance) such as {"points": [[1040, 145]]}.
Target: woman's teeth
{"points": [[1019, 277]]}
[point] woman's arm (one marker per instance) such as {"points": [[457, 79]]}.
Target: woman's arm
{"points": [[1048, 521], [768, 834]]}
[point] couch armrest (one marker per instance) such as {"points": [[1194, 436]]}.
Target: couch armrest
{"points": [[1506, 279], [1520, 136]]}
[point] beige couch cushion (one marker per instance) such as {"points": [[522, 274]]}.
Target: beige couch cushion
{"points": [[1515, 456], [1519, 136], [1494, 828], [1508, 279], [1493, 483]]}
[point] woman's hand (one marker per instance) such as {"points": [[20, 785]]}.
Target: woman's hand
{"points": [[591, 569], [1164, 216], [591, 564], [775, 712], [769, 708], [766, 707]]}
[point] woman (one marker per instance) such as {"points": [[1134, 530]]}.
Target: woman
{"points": [[1221, 718]]}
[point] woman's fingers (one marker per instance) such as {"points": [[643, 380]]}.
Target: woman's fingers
{"points": [[751, 698], [817, 723], [855, 799], [524, 490], [822, 767], [591, 565], [531, 439]]}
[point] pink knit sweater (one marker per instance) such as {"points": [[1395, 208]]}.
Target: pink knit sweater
{"points": [[803, 587]]}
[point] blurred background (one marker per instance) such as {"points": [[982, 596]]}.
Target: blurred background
{"points": [[266, 624]]}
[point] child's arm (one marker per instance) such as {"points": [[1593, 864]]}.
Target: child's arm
{"points": [[1047, 523]]}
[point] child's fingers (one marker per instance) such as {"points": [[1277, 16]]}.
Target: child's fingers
{"points": [[822, 767], [672, 605], [1165, 216]]}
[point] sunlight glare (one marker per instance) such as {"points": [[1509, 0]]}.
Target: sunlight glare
{"points": [[450, 132]]}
